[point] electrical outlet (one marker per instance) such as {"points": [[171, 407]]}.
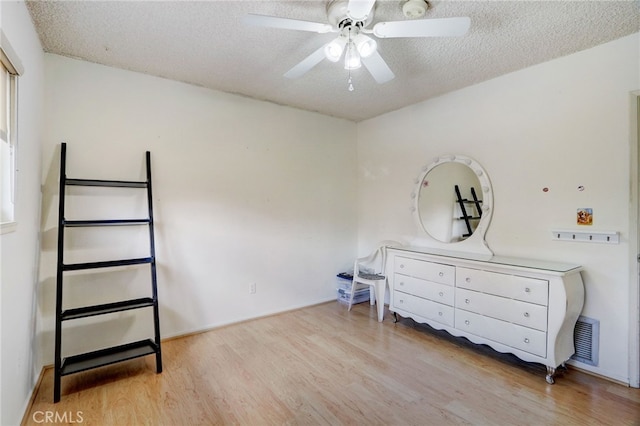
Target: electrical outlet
{"points": [[252, 288]]}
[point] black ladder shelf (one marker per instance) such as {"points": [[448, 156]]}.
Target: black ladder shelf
{"points": [[106, 356], [462, 202]]}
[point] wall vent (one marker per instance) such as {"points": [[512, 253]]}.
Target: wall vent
{"points": [[586, 337]]}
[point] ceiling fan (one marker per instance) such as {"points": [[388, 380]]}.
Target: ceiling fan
{"points": [[351, 20]]}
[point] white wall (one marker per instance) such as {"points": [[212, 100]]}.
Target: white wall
{"points": [[244, 191], [560, 124], [19, 249]]}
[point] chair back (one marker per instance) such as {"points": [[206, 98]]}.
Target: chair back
{"points": [[377, 259], [383, 252]]}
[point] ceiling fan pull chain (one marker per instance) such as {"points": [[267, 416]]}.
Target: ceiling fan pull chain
{"points": [[349, 47]]}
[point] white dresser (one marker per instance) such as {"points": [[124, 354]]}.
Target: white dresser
{"points": [[525, 307]]}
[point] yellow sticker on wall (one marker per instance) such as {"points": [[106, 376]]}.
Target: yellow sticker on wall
{"points": [[585, 216]]}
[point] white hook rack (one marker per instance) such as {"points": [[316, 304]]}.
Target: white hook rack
{"points": [[606, 237]]}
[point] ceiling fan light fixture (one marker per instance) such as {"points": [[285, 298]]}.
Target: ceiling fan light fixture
{"points": [[366, 45], [333, 50], [352, 58]]}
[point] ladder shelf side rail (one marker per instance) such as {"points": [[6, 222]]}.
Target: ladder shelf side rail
{"points": [[476, 202], [464, 216], [154, 279]]}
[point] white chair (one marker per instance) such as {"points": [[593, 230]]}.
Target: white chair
{"points": [[370, 271]]}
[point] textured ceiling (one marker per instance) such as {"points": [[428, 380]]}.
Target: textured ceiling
{"points": [[206, 43]]}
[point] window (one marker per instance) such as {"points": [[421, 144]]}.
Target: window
{"points": [[10, 69]]}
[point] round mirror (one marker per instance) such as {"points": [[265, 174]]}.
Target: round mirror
{"points": [[453, 203]]}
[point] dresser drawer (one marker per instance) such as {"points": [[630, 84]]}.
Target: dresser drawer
{"points": [[515, 311], [436, 272], [440, 293], [530, 290], [512, 335], [424, 308]]}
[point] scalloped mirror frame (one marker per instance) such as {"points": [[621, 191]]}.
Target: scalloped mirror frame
{"points": [[476, 243]]}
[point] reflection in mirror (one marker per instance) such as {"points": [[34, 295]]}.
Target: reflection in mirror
{"points": [[444, 215], [453, 203]]}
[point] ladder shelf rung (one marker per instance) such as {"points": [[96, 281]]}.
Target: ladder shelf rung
{"points": [[107, 308], [102, 357], [105, 222], [106, 264], [108, 183]]}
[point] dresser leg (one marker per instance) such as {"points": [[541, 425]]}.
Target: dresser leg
{"points": [[395, 317], [551, 371]]}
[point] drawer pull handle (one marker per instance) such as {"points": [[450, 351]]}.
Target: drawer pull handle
{"points": [[441, 294], [440, 313], [467, 301], [527, 290], [401, 265], [401, 301], [526, 340], [401, 282], [467, 322], [468, 279], [526, 314], [441, 274]]}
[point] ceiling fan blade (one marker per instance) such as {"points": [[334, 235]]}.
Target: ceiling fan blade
{"points": [[286, 23], [358, 10], [378, 68], [443, 27], [306, 64]]}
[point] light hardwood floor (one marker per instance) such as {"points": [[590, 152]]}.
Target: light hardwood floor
{"points": [[323, 365]]}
